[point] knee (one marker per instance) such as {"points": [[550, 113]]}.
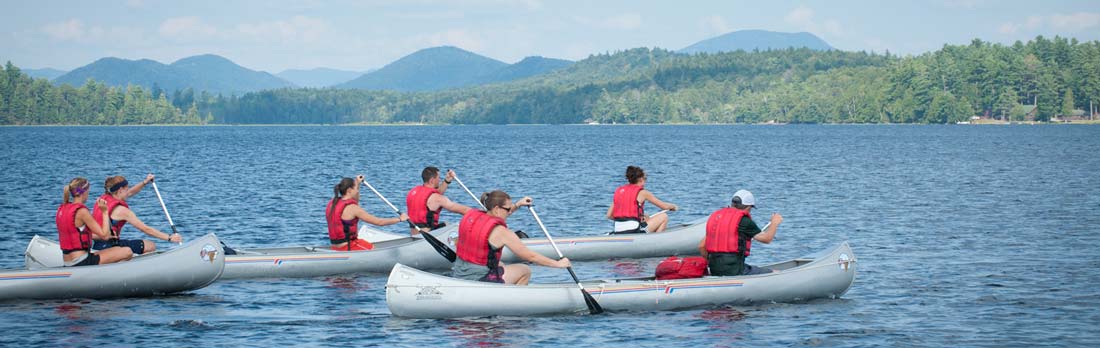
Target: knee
{"points": [[149, 246]]}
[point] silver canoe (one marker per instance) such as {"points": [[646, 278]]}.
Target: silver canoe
{"points": [[416, 294], [288, 262], [682, 239], [190, 266]]}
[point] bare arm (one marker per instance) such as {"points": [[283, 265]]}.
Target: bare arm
{"points": [[503, 236], [446, 203], [609, 209], [124, 213], [100, 231], [768, 234], [137, 188], [645, 195], [703, 247], [445, 184], [361, 214]]}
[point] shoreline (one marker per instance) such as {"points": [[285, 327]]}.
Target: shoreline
{"points": [[1013, 123]]}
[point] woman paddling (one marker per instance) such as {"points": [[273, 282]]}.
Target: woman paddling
{"points": [[75, 228], [482, 236], [343, 214], [628, 206], [118, 190]]}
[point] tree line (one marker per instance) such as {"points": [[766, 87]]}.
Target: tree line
{"points": [[1056, 76]]}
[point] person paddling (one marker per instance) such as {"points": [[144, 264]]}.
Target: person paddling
{"points": [[75, 228], [118, 190], [482, 236], [628, 206], [425, 202], [343, 214], [730, 232]]}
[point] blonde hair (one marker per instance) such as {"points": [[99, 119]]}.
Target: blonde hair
{"points": [[111, 181], [77, 184]]}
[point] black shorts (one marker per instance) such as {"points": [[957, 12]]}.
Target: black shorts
{"points": [[135, 245], [91, 260]]}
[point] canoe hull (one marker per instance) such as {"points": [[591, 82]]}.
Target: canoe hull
{"points": [[416, 294], [191, 266], [298, 262]]}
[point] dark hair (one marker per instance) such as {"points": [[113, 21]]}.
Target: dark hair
{"points": [[736, 203], [428, 173], [633, 174], [496, 198], [338, 191]]}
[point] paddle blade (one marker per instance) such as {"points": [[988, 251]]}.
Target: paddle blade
{"points": [[440, 248], [593, 306]]}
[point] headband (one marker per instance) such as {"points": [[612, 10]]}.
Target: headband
{"points": [[77, 191], [117, 186]]}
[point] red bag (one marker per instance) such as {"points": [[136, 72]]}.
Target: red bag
{"points": [[679, 268]]}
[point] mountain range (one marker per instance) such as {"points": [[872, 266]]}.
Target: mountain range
{"points": [[207, 72], [45, 73], [428, 69], [763, 40]]}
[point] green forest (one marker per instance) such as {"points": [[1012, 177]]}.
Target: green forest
{"points": [[640, 85]]}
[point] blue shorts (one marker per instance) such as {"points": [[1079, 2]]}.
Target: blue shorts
{"points": [[135, 245]]}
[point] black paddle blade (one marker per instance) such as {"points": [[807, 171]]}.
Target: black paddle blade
{"points": [[593, 306], [440, 248]]}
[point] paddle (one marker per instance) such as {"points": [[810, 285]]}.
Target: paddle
{"points": [[441, 248], [593, 306], [162, 206], [468, 191]]}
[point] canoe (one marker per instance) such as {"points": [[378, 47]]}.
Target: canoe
{"points": [[316, 261], [413, 293], [681, 239], [301, 261], [190, 266]]}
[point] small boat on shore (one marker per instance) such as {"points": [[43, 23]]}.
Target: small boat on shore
{"points": [[190, 266], [682, 239], [413, 293]]}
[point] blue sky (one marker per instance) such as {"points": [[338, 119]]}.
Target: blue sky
{"points": [[360, 35]]}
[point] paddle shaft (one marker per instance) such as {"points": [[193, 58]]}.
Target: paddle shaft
{"points": [[555, 245], [162, 206], [398, 211], [469, 192]]}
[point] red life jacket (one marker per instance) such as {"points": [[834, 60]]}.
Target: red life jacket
{"points": [[416, 203], [112, 203], [676, 268], [722, 235], [70, 237], [626, 203], [473, 238], [340, 230]]}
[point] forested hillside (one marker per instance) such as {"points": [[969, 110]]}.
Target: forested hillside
{"points": [[659, 86]]}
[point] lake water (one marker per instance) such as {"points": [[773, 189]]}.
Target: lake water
{"points": [[966, 235]]}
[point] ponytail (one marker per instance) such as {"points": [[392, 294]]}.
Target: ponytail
{"points": [[76, 187], [496, 198], [634, 173], [337, 192]]}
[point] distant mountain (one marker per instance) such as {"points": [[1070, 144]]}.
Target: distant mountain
{"points": [[318, 77], [429, 69], [45, 73], [525, 68], [748, 40], [208, 72]]}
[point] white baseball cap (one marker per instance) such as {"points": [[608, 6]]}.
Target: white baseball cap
{"points": [[745, 197]]}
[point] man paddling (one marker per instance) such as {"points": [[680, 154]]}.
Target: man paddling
{"points": [[730, 232], [425, 202]]}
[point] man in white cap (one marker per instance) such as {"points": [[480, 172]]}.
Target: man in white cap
{"points": [[730, 232]]}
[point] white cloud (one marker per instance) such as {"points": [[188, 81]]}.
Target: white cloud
{"points": [[1034, 22], [186, 27], [715, 25], [626, 21], [72, 29], [1008, 28], [135, 3], [1075, 21], [296, 29], [804, 19]]}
